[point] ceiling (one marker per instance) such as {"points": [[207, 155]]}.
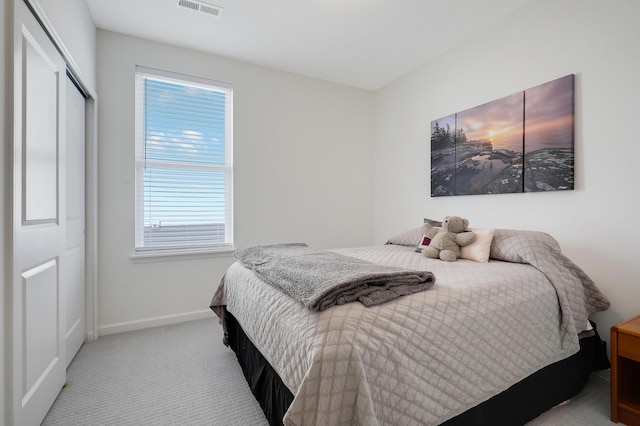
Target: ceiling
{"points": [[360, 43]]}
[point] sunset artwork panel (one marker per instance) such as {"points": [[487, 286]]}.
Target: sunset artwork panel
{"points": [[519, 143], [548, 136]]}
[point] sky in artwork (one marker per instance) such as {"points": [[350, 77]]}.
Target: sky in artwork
{"points": [[539, 117], [499, 122], [549, 112]]}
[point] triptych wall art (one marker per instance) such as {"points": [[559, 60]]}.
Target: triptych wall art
{"points": [[520, 143]]}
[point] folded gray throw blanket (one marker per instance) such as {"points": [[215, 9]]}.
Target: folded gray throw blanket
{"points": [[320, 279]]}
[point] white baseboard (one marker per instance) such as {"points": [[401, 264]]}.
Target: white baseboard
{"points": [[154, 322]]}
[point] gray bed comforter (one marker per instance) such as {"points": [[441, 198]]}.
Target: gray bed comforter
{"points": [[424, 358], [320, 279]]}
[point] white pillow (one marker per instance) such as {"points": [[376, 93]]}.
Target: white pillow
{"points": [[480, 248]]}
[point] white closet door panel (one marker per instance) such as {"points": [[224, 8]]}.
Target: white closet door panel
{"points": [[41, 141], [39, 287], [38, 350], [74, 272]]}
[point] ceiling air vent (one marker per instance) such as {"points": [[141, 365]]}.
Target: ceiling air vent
{"points": [[202, 7]]}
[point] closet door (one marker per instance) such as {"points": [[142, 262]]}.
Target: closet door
{"points": [[73, 279], [38, 350]]}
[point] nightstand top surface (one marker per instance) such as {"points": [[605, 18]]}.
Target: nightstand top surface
{"points": [[631, 326]]}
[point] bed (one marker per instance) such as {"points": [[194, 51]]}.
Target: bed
{"points": [[493, 341]]}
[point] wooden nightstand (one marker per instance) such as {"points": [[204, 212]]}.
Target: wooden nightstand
{"points": [[625, 372]]}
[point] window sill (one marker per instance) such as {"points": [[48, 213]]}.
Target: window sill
{"points": [[168, 256]]}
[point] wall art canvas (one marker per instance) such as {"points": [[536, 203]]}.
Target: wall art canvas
{"points": [[519, 143], [548, 136]]}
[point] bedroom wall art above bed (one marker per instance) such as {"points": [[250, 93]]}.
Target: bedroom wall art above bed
{"points": [[520, 143]]}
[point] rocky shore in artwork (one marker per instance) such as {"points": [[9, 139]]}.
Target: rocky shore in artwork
{"points": [[472, 168], [549, 169]]}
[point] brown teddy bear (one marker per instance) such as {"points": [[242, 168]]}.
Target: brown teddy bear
{"points": [[446, 241]]}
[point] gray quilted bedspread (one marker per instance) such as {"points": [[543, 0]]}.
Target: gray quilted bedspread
{"points": [[423, 358]]}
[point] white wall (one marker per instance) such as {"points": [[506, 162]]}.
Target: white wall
{"points": [[596, 224], [303, 172]]}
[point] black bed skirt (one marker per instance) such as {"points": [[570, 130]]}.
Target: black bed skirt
{"points": [[274, 397], [518, 405]]}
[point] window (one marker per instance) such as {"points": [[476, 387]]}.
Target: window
{"points": [[183, 163]]}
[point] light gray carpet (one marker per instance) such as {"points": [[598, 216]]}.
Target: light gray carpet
{"points": [[173, 375], [182, 375]]}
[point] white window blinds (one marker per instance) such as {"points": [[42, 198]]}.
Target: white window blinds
{"points": [[183, 163]]}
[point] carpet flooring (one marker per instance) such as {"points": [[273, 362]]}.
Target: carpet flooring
{"points": [[182, 375]]}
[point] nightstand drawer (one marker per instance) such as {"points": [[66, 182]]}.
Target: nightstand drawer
{"points": [[629, 346]]}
